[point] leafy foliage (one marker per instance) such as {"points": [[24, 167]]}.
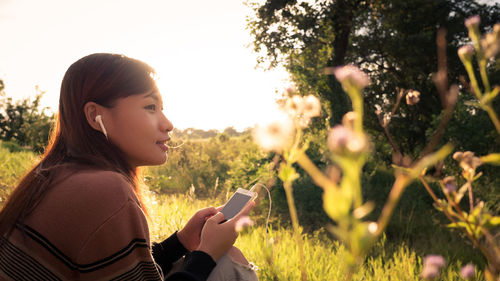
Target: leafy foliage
{"points": [[25, 123], [394, 41], [211, 165]]}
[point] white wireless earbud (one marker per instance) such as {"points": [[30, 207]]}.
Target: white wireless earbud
{"points": [[98, 119]]}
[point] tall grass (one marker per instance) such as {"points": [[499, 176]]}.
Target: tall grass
{"points": [[278, 259], [13, 165]]}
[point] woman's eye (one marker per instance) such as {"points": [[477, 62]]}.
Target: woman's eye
{"points": [[151, 107]]}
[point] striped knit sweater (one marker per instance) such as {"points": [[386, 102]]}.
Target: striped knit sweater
{"points": [[89, 226]]}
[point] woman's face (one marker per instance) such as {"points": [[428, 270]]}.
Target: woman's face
{"points": [[137, 125]]}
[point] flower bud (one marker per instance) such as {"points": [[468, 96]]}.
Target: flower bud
{"points": [[466, 53], [242, 223], [468, 271], [291, 90], [311, 106], [412, 97], [276, 135], [294, 105], [473, 22], [449, 184], [496, 29], [342, 139], [430, 272], [472, 25], [458, 155], [432, 266], [434, 260], [349, 119], [352, 76], [490, 45], [467, 160]]}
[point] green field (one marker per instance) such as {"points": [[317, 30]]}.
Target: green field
{"points": [[276, 257]]}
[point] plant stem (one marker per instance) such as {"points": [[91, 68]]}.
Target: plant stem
{"points": [[391, 141], [493, 117], [296, 231], [471, 198], [484, 76], [475, 88], [460, 213], [318, 177], [402, 180], [357, 106]]}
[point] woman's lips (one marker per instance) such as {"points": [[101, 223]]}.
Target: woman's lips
{"points": [[162, 145]]}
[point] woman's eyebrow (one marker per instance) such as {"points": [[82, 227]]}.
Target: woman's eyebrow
{"points": [[153, 95]]}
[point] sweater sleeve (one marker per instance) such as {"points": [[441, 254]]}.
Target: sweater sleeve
{"points": [[197, 265], [167, 252]]}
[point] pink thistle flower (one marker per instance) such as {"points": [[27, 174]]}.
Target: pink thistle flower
{"points": [[430, 272], [275, 135], [432, 266], [434, 260], [468, 271], [243, 222], [466, 52], [467, 160], [473, 21], [449, 184], [342, 139], [312, 107], [352, 75]]}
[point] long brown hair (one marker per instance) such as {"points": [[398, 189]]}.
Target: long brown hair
{"points": [[101, 78]]}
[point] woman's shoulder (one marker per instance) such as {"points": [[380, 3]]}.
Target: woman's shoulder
{"points": [[99, 184], [89, 193]]}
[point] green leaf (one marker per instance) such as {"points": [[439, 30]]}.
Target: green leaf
{"points": [[494, 221], [336, 203], [287, 173], [430, 160], [457, 225], [493, 158]]}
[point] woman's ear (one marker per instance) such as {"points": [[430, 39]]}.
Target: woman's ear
{"points": [[91, 110]]}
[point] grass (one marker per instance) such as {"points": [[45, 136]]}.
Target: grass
{"points": [[277, 259], [13, 165], [276, 256]]}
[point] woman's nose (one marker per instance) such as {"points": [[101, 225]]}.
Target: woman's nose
{"points": [[166, 125]]}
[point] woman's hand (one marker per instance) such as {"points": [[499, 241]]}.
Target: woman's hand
{"points": [[190, 235], [216, 237]]}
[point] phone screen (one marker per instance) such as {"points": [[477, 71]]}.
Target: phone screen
{"points": [[235, 204]]}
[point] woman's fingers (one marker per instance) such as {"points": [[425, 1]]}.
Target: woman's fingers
{"points": [[219, 217], [209, 211]]}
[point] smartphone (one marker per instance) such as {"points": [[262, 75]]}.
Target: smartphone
{"points": [[239, 199]]}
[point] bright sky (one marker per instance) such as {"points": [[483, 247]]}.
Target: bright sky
{"points": [[198, 47]]}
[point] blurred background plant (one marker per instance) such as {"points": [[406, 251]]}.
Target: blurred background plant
{"points": [[349, 146]]}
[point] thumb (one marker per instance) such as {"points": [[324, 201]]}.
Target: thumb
{"points": [[219, 217], [207, 212]]}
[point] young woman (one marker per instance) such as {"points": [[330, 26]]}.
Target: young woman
{"points": [[79, 215]]}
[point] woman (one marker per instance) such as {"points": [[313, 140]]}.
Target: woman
{"points": [[79, 214]]}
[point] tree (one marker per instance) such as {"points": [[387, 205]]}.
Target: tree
{"points": [[25, 123], [392, 40]]}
